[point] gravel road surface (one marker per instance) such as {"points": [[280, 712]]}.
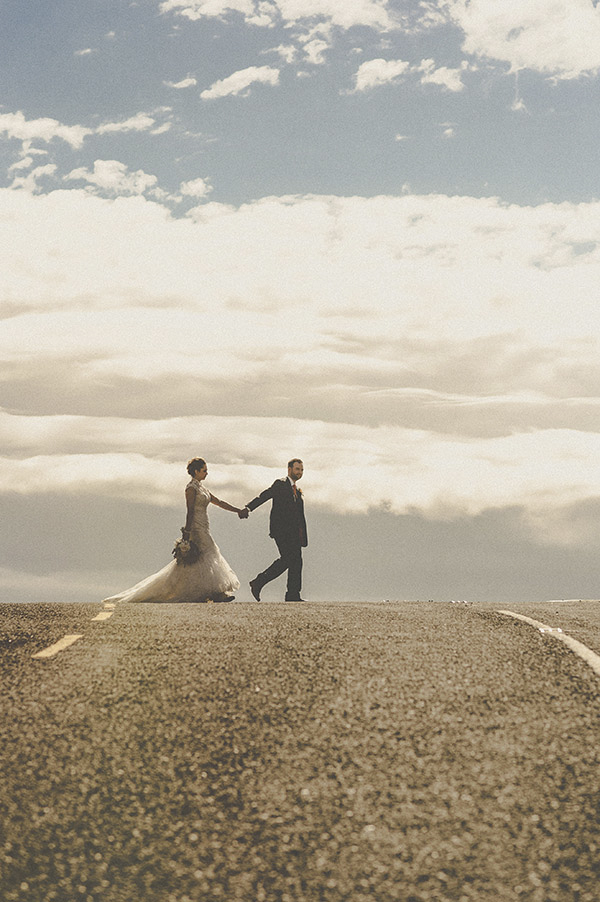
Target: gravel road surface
{"points": [[416, 752]]}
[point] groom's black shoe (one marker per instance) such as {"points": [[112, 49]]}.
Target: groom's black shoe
{"points": [[255, 588], [294, 599]]}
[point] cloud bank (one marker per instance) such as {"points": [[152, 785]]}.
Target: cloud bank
{"points": [[560, 38], [442, 348], [373, 13]]}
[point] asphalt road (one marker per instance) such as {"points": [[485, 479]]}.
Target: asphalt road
{"points": [[416, 752]]}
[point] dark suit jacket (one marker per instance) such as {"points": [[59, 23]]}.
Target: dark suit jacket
{"points": [[287, 522]]}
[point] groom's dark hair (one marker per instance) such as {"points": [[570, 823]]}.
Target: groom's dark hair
{"points": [[295, 460], [196, 463]]}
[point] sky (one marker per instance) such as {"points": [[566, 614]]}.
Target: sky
{"points": [[363, 233]]}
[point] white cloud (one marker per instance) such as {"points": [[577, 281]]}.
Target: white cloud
{"points": [[450, 79], [161, 129], [23, 163], [122, 475], [315, 42], [15, 125], [558, 37], [315, 51], [188, 82], [114, 177], [88, 51], [428, 14], [265, 14], [287, 52], [196, 188], [372, 13], [379, 72], [27, 148], [30, 181], [141, 122], [200, 9], [376, 72], [240, 82]]}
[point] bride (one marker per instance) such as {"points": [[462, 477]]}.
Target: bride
{"points": [[210, 578]]}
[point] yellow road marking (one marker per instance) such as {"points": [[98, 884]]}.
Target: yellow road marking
{"points": [[58, 646], [103, 615]]}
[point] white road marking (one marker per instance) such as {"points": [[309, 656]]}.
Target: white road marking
{"points": [[586, 654], [103, 615], [58, 646]]}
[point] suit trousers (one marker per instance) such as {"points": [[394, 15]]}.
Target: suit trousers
{"points": [[290, 559]]}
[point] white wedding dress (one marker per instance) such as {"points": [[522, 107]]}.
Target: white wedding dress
{"points": [[210, 577]]}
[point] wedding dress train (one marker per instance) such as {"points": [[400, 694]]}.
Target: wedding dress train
{"points": [[210, 577]]}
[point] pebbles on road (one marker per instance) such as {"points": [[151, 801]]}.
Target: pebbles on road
{"points": [[287, 753]]}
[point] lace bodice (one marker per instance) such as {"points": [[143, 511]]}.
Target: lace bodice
{"points": [[200, 490]]}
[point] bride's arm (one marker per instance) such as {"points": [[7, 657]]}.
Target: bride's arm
{"points": [[190, 500], [225, 505]]}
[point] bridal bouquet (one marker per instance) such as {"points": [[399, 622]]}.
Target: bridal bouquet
{"points": [[185, 552]]}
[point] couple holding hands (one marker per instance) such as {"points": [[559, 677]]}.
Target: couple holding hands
{"points": [[206, 575]]}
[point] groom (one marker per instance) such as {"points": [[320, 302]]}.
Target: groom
{"points": [[287, 526]]}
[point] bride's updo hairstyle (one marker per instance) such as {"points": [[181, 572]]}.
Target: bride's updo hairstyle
{"points": [[196, 463]]}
